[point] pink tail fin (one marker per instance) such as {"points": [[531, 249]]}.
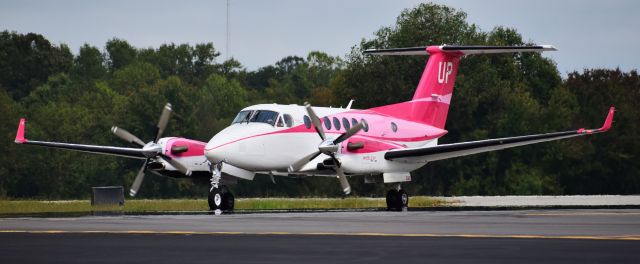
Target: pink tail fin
{"points": [[430, 102]]}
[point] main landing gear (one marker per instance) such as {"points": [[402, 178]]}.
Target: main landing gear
{"points": [[220, 198], [397, 199]]}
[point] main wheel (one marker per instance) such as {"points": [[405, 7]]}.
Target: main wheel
{"points": [[397, 200], [404, 199], [393, 201], [227, 201], [215, 199]]}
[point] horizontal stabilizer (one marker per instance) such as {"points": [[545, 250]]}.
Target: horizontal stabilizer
{"points": [[461, 50]]}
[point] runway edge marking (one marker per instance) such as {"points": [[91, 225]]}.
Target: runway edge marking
{"points": [[152, 232]]}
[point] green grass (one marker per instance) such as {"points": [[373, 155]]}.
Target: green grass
{"points": [[8, 207]]}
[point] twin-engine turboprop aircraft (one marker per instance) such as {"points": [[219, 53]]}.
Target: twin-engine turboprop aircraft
{"points": [[382, 144]]}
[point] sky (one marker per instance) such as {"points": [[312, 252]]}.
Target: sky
{"points": [[588, 34]]}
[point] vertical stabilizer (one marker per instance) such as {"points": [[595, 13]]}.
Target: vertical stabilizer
{"points": [[435, 89], [431, 100]]}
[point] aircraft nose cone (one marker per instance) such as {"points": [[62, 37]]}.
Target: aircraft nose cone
{"points": [[210, 153], [215, 149]]}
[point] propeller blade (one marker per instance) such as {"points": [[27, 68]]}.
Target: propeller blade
{"points": [[296, 166], [126, 136], [352, 131], [176, 164], [138, 181], [344, 183], [315, 120], [164, 120], [333, 156]]}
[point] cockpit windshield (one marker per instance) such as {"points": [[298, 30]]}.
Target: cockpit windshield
{"points": [[260, 116], [243, 116], [265, 116]]}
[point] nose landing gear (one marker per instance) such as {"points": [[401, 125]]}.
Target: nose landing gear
{"points": [[220, 198], [397, 199]]}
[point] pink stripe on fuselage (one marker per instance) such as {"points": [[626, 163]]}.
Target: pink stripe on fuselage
{"points": [[379, 124]]}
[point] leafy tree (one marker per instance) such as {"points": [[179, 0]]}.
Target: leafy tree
{"points": [[27, 61], [607, 163], [8, 121], [89, 64], [120, 54], [135, 77], [220, 100]]}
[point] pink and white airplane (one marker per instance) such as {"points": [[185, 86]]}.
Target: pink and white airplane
{"points": [[382, 144]]}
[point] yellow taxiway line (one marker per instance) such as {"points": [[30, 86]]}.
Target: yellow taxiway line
{"points": [[583, 213]]}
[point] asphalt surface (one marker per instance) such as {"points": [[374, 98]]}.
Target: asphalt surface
{"points": [[544, 201], [524, 236]]}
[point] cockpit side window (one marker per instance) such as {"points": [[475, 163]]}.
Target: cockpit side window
{"points": [[243, 116], [280, 123], [288, 120], [265, 116]]}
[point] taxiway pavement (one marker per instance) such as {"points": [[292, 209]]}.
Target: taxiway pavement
{"points": [[562, 236]]}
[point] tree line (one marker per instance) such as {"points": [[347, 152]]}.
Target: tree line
{"points": [[77, 98]]}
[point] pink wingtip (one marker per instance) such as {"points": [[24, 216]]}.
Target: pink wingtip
{"points": [[20, 135], [608, 121]]}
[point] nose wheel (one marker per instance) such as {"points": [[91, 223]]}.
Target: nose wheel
{"points": [[397, 200], [221, 199]]}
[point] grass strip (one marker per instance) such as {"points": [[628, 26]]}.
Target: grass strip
{"points": [[142, 205]]}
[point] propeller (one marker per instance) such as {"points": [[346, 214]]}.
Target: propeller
{"points": [[163, 121], [329, 147], [126, 136], [138, 181], [151, 150]]}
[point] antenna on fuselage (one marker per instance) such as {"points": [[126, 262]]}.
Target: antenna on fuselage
{"points": [[349, 105]]}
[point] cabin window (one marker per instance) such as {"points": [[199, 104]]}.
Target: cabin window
{"points": [[288, 120], [345, 123], [327, 123], [243, 116], [366, 125], [336, 123], [265, 116], [307, 121], [354, 122], [394, 127]]}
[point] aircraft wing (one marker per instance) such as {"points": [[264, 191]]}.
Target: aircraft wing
{"points": [[109, 150], [428, 154]]}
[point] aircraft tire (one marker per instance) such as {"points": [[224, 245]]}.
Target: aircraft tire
{"points": [[397, 200], [228, 201], [215, 199], [392, 200], [403, 199]]}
